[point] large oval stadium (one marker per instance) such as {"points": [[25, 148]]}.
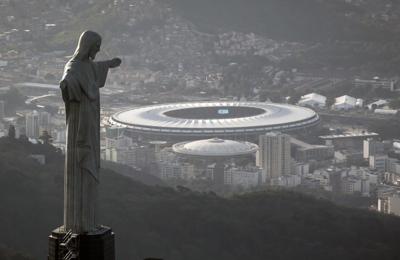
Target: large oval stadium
{"points": [[234, 120]]}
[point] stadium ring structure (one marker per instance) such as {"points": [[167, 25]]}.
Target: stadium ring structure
{"points": [[223, 119]]}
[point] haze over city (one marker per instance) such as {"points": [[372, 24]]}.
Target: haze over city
{"points": [[183, 129]]}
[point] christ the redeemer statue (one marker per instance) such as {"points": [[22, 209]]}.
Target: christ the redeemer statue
{"points": [[80, 84]]}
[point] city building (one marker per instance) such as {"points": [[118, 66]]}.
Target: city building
{"points": [[389, 204], [313, 100], [274, 154], [350, 140], [347, 102], [317, 180], [134, 156], [44, 122], [372, 147], [392, 178], [347, 180], [176, 170], [300, 169], [32, 124], [157, 146], [304, 152], [349, 157], [390, 84], [37, 122], [378, 162], [115, 138], [118, 142], [393, 165], [335, 180], [353, 184], [243, 177], [288, 181]]}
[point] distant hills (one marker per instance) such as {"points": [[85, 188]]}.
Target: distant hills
{"points": [[349, 38], [181, 224], [295, 20]]}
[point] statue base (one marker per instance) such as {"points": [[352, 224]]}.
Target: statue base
{"points": [[96, 245]]}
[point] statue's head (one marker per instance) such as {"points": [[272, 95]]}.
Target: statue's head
{"points": [[88, 46]]}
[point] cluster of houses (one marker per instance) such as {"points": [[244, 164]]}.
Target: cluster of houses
{"points": [[346, 102]]}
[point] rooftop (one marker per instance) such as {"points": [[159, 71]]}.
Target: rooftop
{"points": [[215, 148], [349, 135]]}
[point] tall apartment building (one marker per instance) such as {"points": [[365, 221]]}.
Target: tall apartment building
{"points": [[32, 124], [378, 162], [389, 204], [44, 122], [372, 147], [274, 154]]}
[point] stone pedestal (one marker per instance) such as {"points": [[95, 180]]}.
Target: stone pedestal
{"points": [[97, 245]]}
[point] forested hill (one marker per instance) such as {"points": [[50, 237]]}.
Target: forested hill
{"points": [[295, 20], [181, 224]]}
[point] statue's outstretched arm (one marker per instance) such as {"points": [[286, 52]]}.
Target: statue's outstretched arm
{"points": [[114, 62], [102, 67]]}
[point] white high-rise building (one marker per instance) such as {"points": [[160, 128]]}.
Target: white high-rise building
{"points": [[32, 124], [274, 154]]}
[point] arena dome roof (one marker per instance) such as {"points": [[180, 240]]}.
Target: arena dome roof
{"points": [[215, 148]]}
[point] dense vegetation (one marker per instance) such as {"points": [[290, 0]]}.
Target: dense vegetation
{"points": [[181, 224]]}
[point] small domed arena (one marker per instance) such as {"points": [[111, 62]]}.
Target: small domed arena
{"points": [[214, 119]]}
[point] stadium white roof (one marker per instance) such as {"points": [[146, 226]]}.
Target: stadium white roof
{"points": [[274, 117]]}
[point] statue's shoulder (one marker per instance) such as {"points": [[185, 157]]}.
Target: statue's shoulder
{"points": [[75, 67], [72, 64]]}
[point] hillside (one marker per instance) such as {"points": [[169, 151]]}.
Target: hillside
{"points": [[347, 39], [294, 20], [180, 224]]}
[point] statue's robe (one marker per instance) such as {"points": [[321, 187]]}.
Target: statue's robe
{"points": [[82, 105]]}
